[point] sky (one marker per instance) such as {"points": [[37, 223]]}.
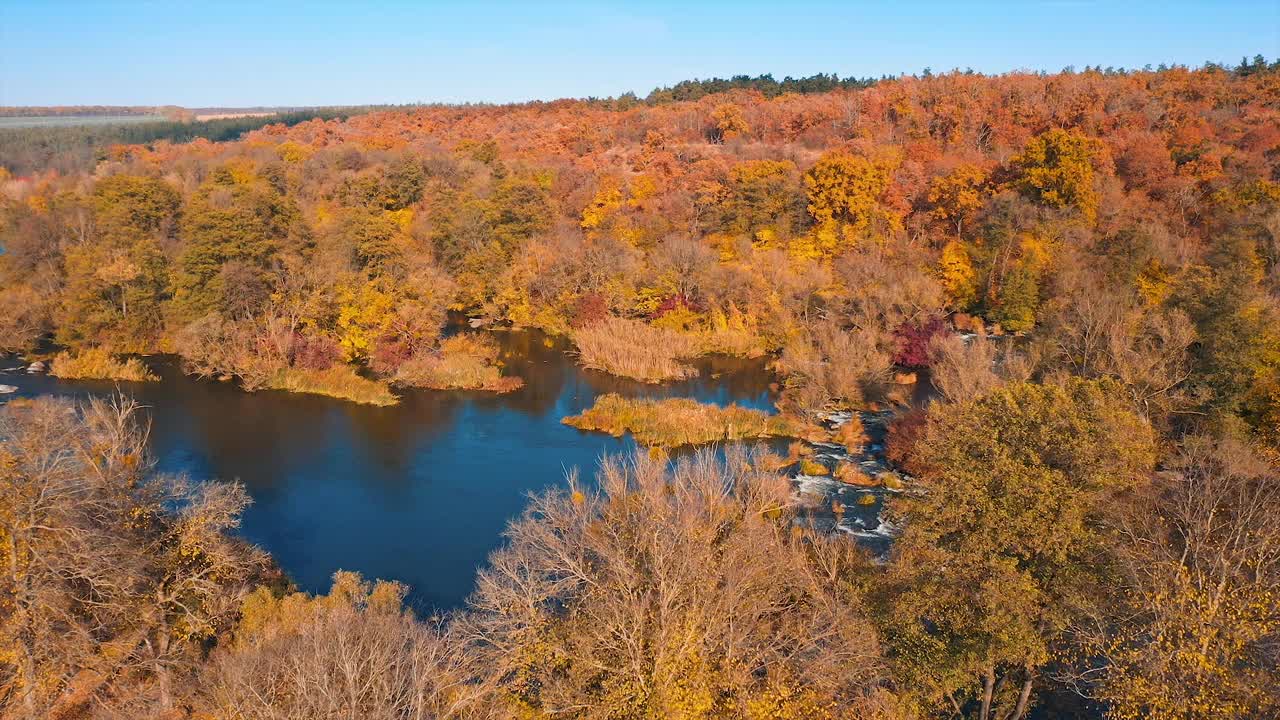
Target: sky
{"points": [[279, 53]]}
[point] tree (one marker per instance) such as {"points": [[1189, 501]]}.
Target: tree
{"points": [[963, 369], [356, 652], [764, 200], [1192, 628], [957, 196], [1056, 168], [846, 195], [1005, 538], [1017, 298], [131, 208], [672, 592], [728, 122], [113, 575], [231, 217], [24, 317], [519, 209], [957, 275], [114, 296], [1238, 353]]}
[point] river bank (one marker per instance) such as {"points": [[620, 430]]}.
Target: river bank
{"points": [[421, 491]]}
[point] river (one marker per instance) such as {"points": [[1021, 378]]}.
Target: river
{"points": [[418, 492]]}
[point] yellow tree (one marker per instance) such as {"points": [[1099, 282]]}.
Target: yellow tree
{"points": [[846, 197], [729, 122], [1056, 169], [957, 274], [957, 195], [365, 313], [1192, 629]]}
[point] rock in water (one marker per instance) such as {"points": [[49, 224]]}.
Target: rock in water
{"points": [[37, 367], [6, 389]]}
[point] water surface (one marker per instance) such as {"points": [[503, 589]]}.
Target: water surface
{"points": [[419, 492]]}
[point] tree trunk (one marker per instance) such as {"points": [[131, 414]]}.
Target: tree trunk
{"points": [[160, 650], [988, 685], [28, 684], [1023, 697], [26, 659]]}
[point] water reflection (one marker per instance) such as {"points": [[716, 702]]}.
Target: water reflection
{"points": [[419, 492]]}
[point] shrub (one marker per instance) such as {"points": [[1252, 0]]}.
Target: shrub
{"points": [[851, 474], [913, 340], [851, 434], [831, 367], [680, 421], [98, 364], [904, 432], [813, 467], [634, 349], [963, 370], [589, 309], [462, 362], [315, 353]]}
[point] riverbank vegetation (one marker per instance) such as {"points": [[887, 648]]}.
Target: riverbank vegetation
{"points": [[755, 221], [672, 422], [1043, 554], [1085, 265], [98, 364], [338, 381], [634, 349]]}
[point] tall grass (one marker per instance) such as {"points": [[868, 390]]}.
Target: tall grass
{"points": [[98, 364], [463, 362], [680, 421], [339, 381], [635, 349]]}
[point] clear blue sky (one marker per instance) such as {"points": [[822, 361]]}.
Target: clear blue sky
{"points": [[234, 53]]}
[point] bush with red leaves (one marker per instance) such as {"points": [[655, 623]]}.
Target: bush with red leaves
{"points": [[314, 353], [676, 302], [388, 355], [913, 340]]}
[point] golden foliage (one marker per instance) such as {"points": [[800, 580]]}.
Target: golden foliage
{"points": [[680, 421], [98, 364]]}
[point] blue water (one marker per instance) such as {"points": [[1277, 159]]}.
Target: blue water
{"points": [[419, 492]]}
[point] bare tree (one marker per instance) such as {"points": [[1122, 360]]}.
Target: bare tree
{"points": [[1194, 628], [962, 370], [1094, 331], [355, 653], [113, 575], [669, 591]]}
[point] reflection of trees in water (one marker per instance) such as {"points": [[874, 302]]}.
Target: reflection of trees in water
{"points": [[214, 429], [336, 483], [542, 363]]}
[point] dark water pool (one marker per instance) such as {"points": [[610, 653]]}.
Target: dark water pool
{"points": [[419, 492]]}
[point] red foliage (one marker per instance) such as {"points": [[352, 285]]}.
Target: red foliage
{"points": [[388, 355], [676, 302], [589, 309], [913, 340], [313, 353]]}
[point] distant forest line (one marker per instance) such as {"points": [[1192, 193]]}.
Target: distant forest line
{"points": [[73, 148]]}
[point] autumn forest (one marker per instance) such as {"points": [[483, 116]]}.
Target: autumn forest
{"points": [[1060, 292]]}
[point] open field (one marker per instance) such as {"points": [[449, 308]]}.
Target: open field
{"points": [[232, 115], [50, 121]]}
